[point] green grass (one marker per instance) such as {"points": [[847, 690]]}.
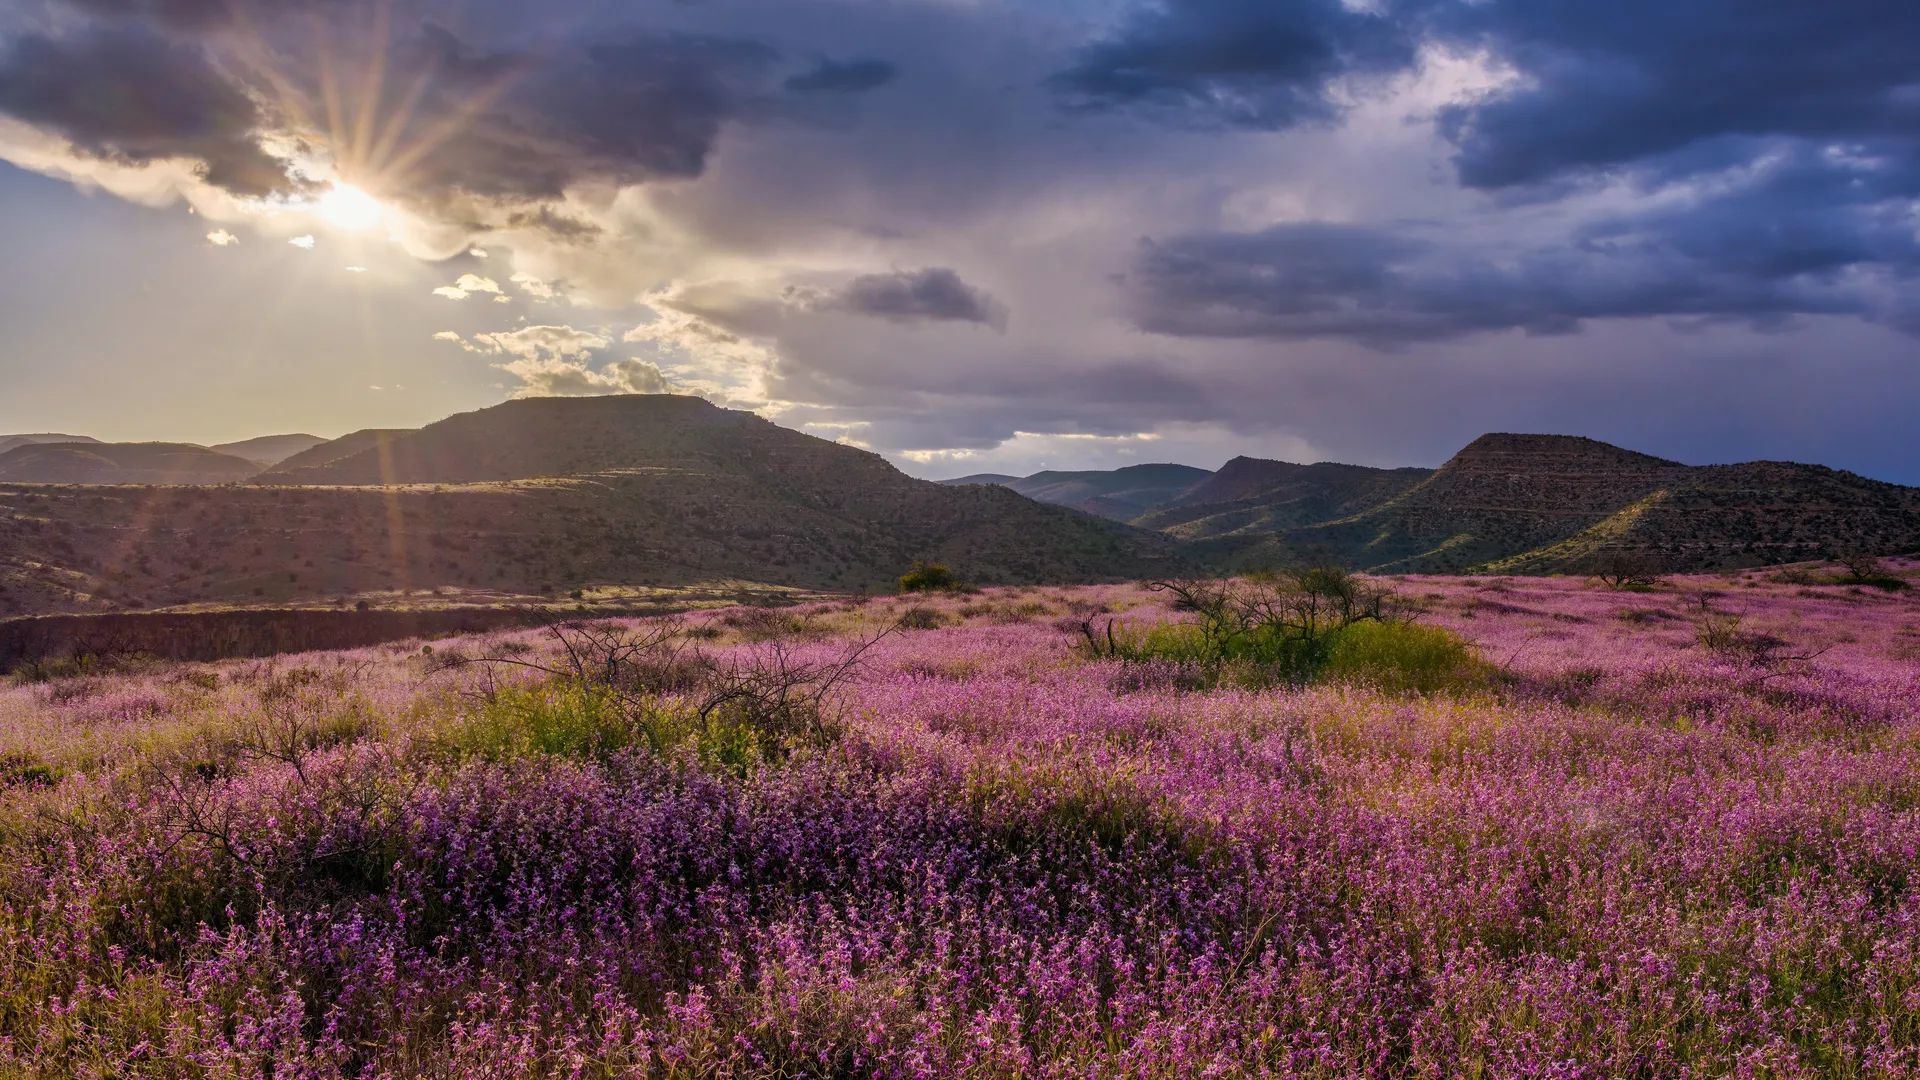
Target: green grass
{"points": [[1405, 658], [1393, 657], [565, 718]]}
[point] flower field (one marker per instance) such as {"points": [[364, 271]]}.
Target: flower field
{"points": [[1656, 834]]}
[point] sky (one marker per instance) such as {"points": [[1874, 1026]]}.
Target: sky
{"points": [[977, 235]]}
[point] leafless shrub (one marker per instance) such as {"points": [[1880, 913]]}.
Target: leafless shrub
{"points": [[1632, 571], [1722, 633], [772, 685]]}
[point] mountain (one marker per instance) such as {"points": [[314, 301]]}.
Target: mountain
{"points": [[1553, 503], [981, 478], [269, 450], [547, 495], [1252, 495], [345, 446], [8, 442], [121, 463], [1119, 494]]}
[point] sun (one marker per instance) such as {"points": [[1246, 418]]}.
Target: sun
{"points": [[347, 207]]}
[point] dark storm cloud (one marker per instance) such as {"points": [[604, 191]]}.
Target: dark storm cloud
{"points": [[196, 14], [130, 96], [1626, 83], [526, 124], [515, 124], [1254, 63], [1368, 284], [856, 76], [935, 294]]}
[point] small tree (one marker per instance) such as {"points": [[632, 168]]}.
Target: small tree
{"points": [[1862, 566], [928, 577], [1631, 571]]}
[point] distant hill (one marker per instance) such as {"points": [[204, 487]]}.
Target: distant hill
{"points": [[269, 449], [1547, 503], [550, 494], [8, 442], [1119, 494], [1252, 495], [981, 478], [121, 463], [333, 450]]}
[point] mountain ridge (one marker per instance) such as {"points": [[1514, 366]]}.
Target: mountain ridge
{"points": [[656, 491], [121, 463]]}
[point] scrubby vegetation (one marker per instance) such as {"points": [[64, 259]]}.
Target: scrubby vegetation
{"points": [[1293, 627], [1496, 827]]}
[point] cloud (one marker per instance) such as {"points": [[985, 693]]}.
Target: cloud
{"points": [[621, 108], [935, 294], [222, 238], [1372, 285], [856, 76], [303, 242], [126, 94], [550, 377], [1248, 63], [520, 122], [532, 286], [468, 284], [538, 342], [1680, 85], [557, 361]]}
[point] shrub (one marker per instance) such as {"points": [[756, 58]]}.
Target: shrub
{"points": [[1863, 569], [929, 577], [1252, 631], [1628, 571], [23, 769], [1405, 658], [921, 618]]}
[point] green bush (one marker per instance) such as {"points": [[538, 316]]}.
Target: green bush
{"points": [[1404, 658], [1292, 628], [929, 577], [574, 719]]}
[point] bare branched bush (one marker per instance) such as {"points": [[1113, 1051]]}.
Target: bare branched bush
{"points": [[1723, 634], [779, 687], [1631, 571]]}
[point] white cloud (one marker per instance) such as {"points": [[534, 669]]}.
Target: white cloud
{"points": [[551, 377], [222, 238], [305, 243], [533, 286], [541, 342], [447, 335], [356, 269], [468, 284]]}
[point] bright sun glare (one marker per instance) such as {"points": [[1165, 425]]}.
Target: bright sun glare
{"points": [[347, 207]]}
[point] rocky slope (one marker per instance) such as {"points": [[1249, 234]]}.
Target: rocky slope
{"points": [[544, 496], [1555, 503], [334, 450]]}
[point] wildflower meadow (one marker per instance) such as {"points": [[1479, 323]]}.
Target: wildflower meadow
{"points": [[1537, 827]]}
